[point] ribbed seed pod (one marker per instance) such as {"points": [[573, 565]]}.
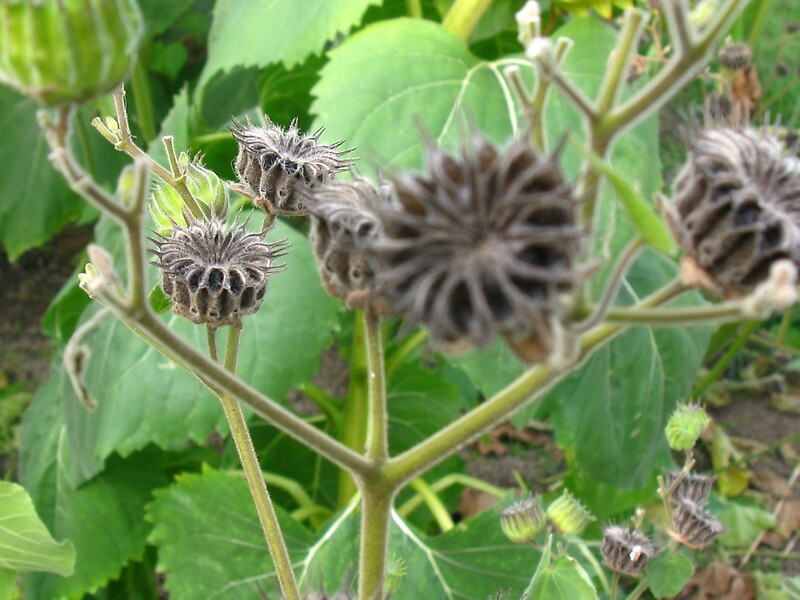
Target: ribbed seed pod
{"points": [[343, 222], [694, 486], [214, 274], [568, 514], [685, 425], [736, 208], [522, 521], [735, 56], [61, 51], [625, 550], [485, 243], [694, 526], [275, 164]]}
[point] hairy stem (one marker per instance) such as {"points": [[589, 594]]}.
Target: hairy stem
{"points": [[377, 425], [252, 471], [376, 522]]}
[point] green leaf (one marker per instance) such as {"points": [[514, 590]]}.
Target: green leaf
{"points": [[668, 573], [294, 28], [209, 541], [103, 518], [159, 15], [25, 542], [743, 523], [35, 203], [560, 579], [158, 300], [8, 585]]}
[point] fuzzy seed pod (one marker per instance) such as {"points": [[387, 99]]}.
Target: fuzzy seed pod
{"points": [[694, 486], [694, 526], [626, 551], [736, 209], [735, 57], [568, 514], [522, 521], [213, 274], [685, 425], [61, 51], [275, 164], [485, 243], [343, 222]]}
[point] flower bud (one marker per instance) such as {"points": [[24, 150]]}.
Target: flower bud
{"points": [[167, 206], [626, 551], [685, 426], [522, 521], [61, 51], [529, 22], [735, 57], [568, 514]]}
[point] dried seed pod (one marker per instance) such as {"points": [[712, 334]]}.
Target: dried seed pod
{"points": [[694, 526], [523, 520], [62, 51], [626, 551], [275, 164], [485, 243], [735, 56], [694, 486], [214, 274], [343, 222], [736, 209]]}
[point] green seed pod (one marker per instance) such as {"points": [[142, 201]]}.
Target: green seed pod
{"points": [[523, 520], [61, 51], [568, 514], [167, 206], [685, 426]]}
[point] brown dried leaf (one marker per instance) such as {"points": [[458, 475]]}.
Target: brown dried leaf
{"points": [[770, 482], [788, 518], [745, 93], [719, 581], [473, 502]]}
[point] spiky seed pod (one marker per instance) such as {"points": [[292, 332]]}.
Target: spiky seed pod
{"points": [[685, 425], [214, 274], [568, 514], [694, 486], [735, 56], [62, 51], [736, 208], [523, 520], [626, 551], [485, 243], [276, 163], [694, 526], [343, 222]]}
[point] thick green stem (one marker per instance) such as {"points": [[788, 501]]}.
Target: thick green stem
{"points": [[376, 522], [614, 586], [414, 9], [675, 316], [464, 15], [252, 472], [434, 503], [404, 467], [377, 425], [614, 77]]}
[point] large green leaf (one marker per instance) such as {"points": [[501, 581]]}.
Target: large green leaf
{"points": [[246, 34], [34, 201], [209, 540], [103, 518], [668, 572], [24, 540], [560, 579], [143, 397]]}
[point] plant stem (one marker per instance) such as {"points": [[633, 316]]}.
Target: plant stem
{"points": [[376, 520], [434, 503], [463, 17], [416, 500], [639, 589], [356, 411], [405, 350], [252, 472], [614, 77], [675, 316], [614, 586], [377, 425], [143, 98], [527, 388], [702, 385], [757, 23], [414, 9]]}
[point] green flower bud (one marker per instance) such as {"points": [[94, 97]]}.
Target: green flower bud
{"points": [[61, 51], [523, 520], [685, 426], [167, 205], [568, 514]]}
